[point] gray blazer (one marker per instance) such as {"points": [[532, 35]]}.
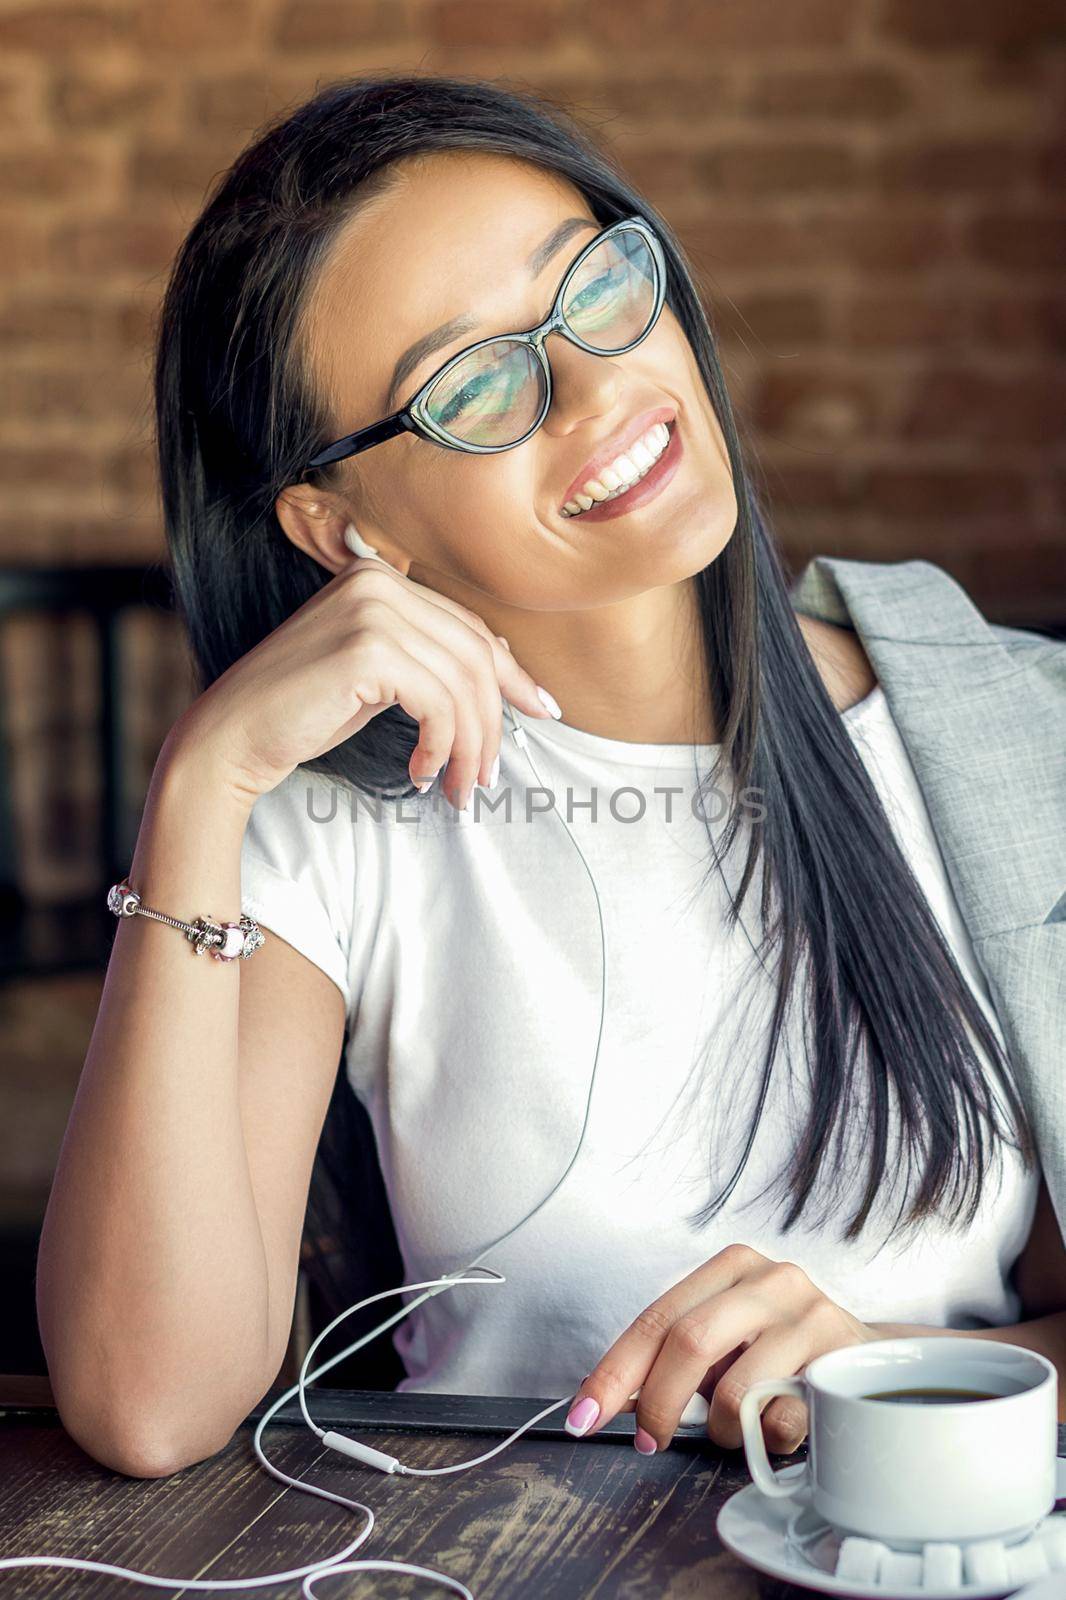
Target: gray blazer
{"points": [[981, 709]]}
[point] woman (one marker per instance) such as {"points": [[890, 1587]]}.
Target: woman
{"points": [[369, 589]]}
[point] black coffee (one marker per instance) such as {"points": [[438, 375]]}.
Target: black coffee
{"points": [[932, 1397]]}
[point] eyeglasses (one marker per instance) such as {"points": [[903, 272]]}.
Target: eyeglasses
{"points": [[495, 394]]}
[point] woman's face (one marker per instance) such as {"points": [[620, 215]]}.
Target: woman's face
{"points": [[451, 238]]}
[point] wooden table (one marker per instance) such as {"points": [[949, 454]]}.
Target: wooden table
{"points": [[552, 1517]]}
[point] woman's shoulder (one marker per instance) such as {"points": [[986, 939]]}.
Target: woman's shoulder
{"points": [[839, 655]]}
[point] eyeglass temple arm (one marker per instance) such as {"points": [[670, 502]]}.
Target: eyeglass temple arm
{"points": [[399, 422]]}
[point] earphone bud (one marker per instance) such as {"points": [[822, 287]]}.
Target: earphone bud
{"points": [[355, 542]]}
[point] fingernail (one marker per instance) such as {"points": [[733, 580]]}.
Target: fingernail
{"points": [[422, 787], [580, 1417], [494, 775], [503, 641], [548, 702], [644, 1442]]}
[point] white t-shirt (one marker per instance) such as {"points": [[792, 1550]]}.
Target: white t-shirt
{"points": [[467, 949]]}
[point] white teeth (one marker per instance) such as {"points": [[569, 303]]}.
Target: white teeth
{"points": [[623, 472]]}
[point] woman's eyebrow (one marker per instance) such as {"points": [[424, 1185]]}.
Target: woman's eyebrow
{"points": [[535, 263]]}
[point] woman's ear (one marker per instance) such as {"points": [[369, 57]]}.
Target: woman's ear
{"points": [[324, 531]]}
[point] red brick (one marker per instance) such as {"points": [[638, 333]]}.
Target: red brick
{"points": [[1013, 318], [792, 168], [20, 96], [1020, 25], [796, 486], [650, 98], [883, 238], [810, 403], [136, 322], [880, 238], [1058, 481], [238, 102], [954, 166], [82, 391], [734, 25], [131, 471], [63, 465], [1052, 168], [918, 492], [199, 27], [862, 93], [657, 171], [116, 244], [903, 319], [185, 169], [726, 239], [83, 533], [115, 99], [54, 30], [39, 321], [1026, 241], [25, 248], [776, 316], [965, 402], [52, 172], [1011, 569], [328, 25], [486, 22]]}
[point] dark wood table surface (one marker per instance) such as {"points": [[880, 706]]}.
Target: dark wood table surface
{"points": [[552, 1517]]}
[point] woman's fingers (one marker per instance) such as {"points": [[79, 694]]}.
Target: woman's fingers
{"points": [[697, 1339], [464, 651], [517, 684], [628, 1362], [465, 666], [386, 674], [781, 1351]]}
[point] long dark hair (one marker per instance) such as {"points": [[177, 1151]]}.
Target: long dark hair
{"points": [[885, 1007]]}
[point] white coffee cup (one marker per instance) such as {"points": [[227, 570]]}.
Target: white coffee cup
{"points": [[905, 1471]]}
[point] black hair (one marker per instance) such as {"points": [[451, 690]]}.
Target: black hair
{"points": [[887, 1012]]}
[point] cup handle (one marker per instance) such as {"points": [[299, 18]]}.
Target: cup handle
{"points": [[769, 1482]]}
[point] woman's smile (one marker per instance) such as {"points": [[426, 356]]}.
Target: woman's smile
{"points": [[647, 488]]}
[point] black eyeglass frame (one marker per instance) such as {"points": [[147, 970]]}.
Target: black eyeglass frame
{"points": [[414, 418]]}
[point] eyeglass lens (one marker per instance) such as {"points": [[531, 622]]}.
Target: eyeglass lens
{"points": [[495, 394]]}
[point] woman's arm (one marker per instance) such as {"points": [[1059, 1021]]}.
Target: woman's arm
{"points": [[164, 1291]]}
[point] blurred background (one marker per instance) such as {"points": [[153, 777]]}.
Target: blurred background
{"points": [[871, 191]]}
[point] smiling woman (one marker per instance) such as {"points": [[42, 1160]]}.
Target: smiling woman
{"points": [[808, 1123]]}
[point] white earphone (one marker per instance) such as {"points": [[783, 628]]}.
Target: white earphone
{"points": [[366, 1455], [355, 542]]}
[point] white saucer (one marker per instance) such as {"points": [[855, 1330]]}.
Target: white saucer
{"points": [[753, 1526]]}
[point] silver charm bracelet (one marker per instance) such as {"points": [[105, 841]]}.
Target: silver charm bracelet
{"points": [[226, 941]]}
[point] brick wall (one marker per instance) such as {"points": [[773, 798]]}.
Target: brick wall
{"points": [[871, 190]]}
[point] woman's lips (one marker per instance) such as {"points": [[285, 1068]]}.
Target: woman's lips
{"points": [[652, 483]]}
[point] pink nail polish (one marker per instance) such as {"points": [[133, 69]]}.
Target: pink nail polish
{"points": [[582, 1415], [644, 1442]]}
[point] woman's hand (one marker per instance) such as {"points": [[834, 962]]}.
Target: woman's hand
{"points": [[736, 1318], [370, 638]]}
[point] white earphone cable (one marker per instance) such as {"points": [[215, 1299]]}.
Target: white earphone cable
{"points": [[335, 1565]]}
